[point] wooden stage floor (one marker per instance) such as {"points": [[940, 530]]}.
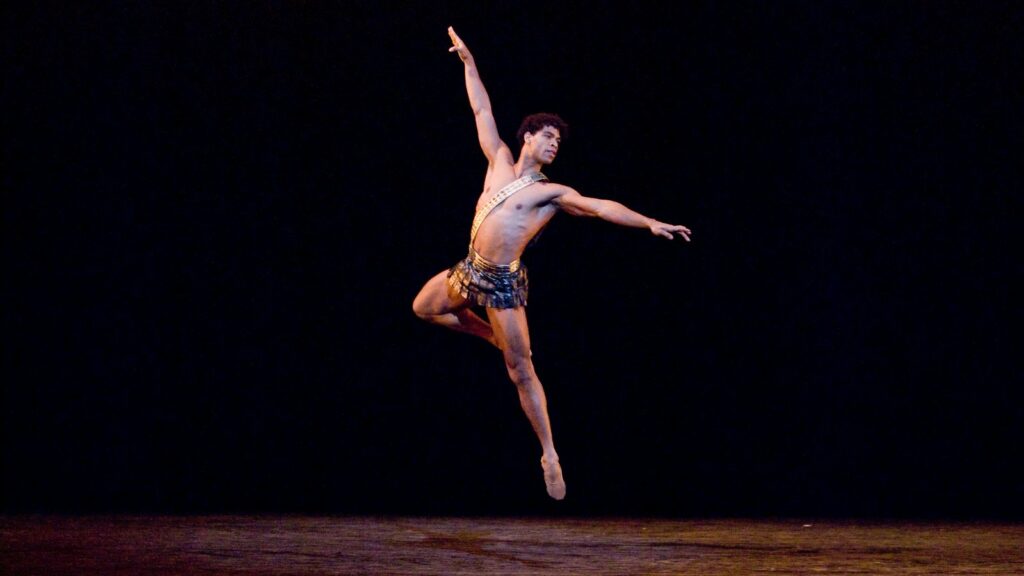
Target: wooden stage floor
{"points": [[300, 545]]}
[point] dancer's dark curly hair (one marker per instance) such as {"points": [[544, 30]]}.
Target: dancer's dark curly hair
{"points": [[535, 122]]}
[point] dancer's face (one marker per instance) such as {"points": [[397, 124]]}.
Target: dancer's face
{"points": [[544, 144]]}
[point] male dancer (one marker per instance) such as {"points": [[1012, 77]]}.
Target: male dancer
{"points": [[516, 203]]}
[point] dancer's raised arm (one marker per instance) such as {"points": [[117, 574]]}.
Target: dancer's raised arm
{"points": [[480, 102]]}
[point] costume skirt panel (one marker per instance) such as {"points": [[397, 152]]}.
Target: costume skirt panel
{"points": [[487, 284]]}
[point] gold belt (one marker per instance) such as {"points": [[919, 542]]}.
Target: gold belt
{"points": [[486, 265]]}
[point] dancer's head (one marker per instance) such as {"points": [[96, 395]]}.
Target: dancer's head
{"points": [[535, 122], [540, 136]]}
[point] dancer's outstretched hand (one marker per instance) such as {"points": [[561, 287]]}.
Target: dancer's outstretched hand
{"points": [[666, 230]]}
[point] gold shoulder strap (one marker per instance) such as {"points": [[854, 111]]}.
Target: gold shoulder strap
{"points": [[509, 189]]}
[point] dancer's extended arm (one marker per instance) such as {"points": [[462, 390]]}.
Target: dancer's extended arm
{"points": [[479, 101], [574, 203]]}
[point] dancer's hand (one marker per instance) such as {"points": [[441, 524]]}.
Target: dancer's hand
{"points": [[459, 47], [666, 230]]}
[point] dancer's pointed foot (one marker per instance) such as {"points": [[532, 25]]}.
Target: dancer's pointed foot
{"points": [[553, 478]]}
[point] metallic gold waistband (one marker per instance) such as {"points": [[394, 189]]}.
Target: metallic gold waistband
{"points": [[487, 266]]}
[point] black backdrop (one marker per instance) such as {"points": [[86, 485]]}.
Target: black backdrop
{"points": [[216, 216]]}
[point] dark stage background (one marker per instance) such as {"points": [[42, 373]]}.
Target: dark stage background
{"points": [[216, 216]]}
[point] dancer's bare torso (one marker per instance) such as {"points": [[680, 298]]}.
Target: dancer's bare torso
{"points": [[508, 229]]}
